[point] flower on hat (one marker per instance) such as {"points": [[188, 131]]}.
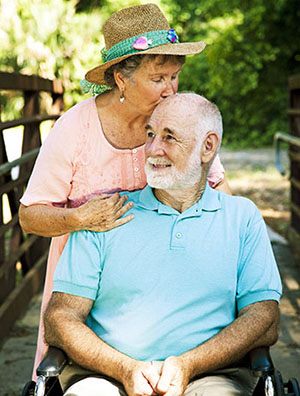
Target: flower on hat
{"points": [[172, 36], [142, 43]]}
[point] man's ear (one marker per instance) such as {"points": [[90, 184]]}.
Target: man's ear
{"points": [[209, 147], [120, 80]]}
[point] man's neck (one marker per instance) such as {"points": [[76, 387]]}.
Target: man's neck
{"points": [[181, 199]]}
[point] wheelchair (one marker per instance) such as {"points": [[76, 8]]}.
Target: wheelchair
{"points": [[270, 381]]}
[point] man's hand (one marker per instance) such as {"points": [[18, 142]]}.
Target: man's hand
{"points": [[174, 377], [141, 379]]}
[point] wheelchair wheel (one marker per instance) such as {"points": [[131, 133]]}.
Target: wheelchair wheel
{"points": [[28, 389], [278, 382], [293, 387], [53, 387]]}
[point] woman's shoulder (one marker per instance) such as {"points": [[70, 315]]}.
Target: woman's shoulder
{"points": [[79, 111]]}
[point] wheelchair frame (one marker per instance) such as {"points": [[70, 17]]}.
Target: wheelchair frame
{"points": [[270, 381]]}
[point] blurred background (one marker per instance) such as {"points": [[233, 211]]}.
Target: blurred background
{"points": [[253, 46]]}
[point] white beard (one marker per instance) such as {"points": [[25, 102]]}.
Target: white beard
{"points": [[171, 178]]}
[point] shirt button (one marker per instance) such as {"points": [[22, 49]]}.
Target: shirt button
{"points": [[136, 169], [134, 151], [178, 235], [134, 159]]}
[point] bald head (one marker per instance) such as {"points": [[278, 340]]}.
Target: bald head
{"points": [[192, 113]]}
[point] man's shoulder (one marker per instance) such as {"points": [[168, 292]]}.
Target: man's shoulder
{"points": [[238, 205], [133, 196]]}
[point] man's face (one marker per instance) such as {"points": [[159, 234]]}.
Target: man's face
{"points": [[172, 152]]}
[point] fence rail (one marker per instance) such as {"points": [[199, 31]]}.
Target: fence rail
{"points": [[22, 257], [294, 154]]}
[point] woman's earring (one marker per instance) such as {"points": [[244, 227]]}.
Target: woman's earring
{"points": [[122, 98]]}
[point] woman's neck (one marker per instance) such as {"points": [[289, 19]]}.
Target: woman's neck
{"points": [[122, 126]]}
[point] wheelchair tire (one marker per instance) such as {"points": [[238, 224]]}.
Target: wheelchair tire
{"points": [[293, 387], [28, 389], [278, 383]]}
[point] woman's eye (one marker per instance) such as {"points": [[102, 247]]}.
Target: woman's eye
{"points": [[157, 80], [150, 134]]}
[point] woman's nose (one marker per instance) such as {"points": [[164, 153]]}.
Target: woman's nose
{"points": [[170, 89]]}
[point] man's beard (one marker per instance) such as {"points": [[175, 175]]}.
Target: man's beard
{"points": [[171, 178]]}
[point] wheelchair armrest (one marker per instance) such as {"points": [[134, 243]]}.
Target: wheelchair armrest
{"points": [[53, 363], [261, 361]]}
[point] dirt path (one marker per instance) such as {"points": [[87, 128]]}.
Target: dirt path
{"points": [[252, 173]]}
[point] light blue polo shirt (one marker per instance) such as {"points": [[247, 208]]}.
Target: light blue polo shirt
{"points": [[167, 281]]}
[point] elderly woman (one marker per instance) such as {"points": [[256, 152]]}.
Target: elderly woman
{"points": [[97, 148]]}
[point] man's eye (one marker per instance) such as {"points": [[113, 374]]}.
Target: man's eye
{"points": [[169, 137], [157, 80]]}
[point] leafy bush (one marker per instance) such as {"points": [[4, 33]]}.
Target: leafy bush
{"points": [[252, 49]]}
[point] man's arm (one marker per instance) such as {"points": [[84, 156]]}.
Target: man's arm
{"points": [[256, 325], [65, 328]]}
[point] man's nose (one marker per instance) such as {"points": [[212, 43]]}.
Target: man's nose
{"points": [[155, 148]]}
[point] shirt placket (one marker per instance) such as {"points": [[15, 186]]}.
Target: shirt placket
{"points": [[137, 169]]}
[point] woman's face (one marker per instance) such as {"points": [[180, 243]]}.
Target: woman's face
{"points": [[151, 83]]}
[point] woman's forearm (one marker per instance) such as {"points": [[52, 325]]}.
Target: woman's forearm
{"points": [[47, 221], [100, 213]]}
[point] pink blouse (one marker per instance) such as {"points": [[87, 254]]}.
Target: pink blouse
{"points": [[76, 162]]}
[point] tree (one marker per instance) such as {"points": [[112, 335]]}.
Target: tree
{"points": [[252, 49]]}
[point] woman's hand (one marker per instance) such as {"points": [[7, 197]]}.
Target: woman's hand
{"points": [[100, 213], [103, 213]]}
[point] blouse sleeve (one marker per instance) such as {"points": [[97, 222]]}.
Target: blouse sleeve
{"points": [[51, 178], [216, 172]]}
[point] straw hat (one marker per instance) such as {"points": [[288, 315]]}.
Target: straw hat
{"points": [[141, 29]]}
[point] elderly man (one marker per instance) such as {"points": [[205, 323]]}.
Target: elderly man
{"points": [[172, 302]]}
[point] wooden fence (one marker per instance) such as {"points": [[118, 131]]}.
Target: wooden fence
{"points": [[293, 138], [294, 116], [22, 257]]}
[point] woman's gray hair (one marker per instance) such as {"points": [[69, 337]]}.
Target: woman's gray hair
{"points": [[128, 66]]}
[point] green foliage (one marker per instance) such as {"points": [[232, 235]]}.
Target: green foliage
{"points": [[46, 37], [54, 39], [252, 49]]}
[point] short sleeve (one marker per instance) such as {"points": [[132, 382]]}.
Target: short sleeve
{"points": [[258, 275], [216, 172], [51, 178], [79, 268]]}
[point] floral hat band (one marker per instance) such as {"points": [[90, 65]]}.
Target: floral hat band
{"points": [[141, 29], [135, 44], [131, 46]]}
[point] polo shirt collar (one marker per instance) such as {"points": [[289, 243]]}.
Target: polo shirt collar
{"points": [[209, 201]]}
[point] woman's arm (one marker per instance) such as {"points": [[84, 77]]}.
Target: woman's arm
{"points": [[100, 213]]}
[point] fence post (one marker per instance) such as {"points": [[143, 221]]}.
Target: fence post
{"points": [[294, 153], [30, 250]]}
